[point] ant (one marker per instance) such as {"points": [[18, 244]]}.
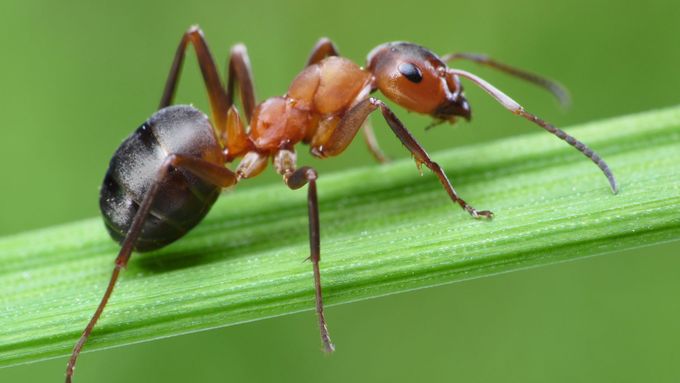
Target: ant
{"points": [[166, 175]]}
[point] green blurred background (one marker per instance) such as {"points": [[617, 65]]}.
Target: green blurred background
{"points": [[76, 77]]}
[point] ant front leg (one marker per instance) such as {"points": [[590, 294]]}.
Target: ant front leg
{"points": [[207, 171], [350, 123], [285, 163], [372, 142], [421, 155], [325, 48]]}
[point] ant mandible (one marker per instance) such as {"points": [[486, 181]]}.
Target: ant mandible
{"points": [[164, 177]]}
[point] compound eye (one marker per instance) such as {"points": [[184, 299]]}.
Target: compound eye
{"points": [[411, 72]]}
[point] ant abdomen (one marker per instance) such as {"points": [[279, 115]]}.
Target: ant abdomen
{"points": [[183, 199]]}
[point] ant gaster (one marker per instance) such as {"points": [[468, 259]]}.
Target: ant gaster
{"points": [[164, 177]]}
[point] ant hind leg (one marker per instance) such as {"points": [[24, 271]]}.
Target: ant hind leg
{"points": [[221, 100], [217, 175], [216, 93], [239, 72]]}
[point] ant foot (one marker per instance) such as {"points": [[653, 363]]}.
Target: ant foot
{"points": [[480, 214]]}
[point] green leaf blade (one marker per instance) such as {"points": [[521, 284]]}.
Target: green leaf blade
{"points": [[384, 230]]}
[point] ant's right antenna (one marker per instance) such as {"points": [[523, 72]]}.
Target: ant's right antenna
{"points": [[511, 105]]}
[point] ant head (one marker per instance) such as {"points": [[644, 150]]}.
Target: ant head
{"points": [[418, 80]]}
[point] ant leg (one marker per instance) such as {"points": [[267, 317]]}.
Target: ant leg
{"points": [[234, 138], [239, 72], [372, 143], [512, 105], [422, 157], [252, 164], [323, 48], [216, 94], [560, 93], [350, 123], [285, 160], [218, 175]]}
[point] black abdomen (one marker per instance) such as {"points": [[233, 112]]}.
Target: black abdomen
{"points": [[182, 200]]}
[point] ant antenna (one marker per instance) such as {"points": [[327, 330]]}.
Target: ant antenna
{"points": [[558, 90], [512, 105]]}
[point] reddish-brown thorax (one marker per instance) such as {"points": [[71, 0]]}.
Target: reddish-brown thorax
{"points": [[309, 112]]}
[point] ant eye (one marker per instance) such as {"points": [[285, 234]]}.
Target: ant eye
{"points": [[411, 72]]}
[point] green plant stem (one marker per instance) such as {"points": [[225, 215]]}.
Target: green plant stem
{"points": [[384, 230]]}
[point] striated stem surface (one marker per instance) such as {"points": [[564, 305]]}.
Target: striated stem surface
{"points": [[384, 230]]}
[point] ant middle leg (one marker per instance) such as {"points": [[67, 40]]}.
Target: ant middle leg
{"points": [[295, 178], [207, 171], [252, 164], [352, 121]]}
